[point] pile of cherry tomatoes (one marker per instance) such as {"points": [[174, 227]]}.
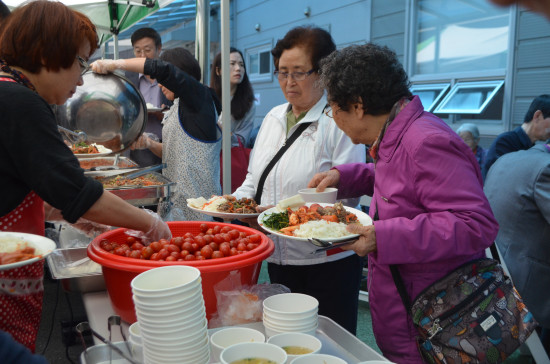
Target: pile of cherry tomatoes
{"points": [[211, 243]]}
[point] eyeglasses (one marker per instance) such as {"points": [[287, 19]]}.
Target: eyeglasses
{"points": [[144, 51], [330, 113], [297, 76], [83, 65]]}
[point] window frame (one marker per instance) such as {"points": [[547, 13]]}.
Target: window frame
{"points": [[258, 50], [496, 84], [442, 87]]}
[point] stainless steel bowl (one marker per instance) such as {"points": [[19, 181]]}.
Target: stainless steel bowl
{"points": [[109, 109]]}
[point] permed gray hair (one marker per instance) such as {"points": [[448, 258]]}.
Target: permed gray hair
{"points": [[472, 128], [368, 73]]}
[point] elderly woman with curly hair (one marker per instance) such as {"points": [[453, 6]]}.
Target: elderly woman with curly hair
{"points": [[430, 214]]}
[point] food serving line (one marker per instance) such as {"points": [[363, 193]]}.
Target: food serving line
{"points": [[108, 110], [70, 264]]}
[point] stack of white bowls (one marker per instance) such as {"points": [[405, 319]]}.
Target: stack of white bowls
{"points": [[290, 312], [171, 314], [136, 344]]}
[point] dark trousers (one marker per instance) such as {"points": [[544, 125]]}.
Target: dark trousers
{"points": [[334, 284]]}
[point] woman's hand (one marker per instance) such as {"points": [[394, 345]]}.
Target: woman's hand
{"points": [[143, 142], [105, 66], [367, 240], [325, 179]]}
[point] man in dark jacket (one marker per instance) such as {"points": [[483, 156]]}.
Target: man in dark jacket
{"points": [[148, 44], [536, 126]]}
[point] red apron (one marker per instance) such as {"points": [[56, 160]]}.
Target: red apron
{"points": [[22, 288]]}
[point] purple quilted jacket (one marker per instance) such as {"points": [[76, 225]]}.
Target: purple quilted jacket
{"points": [[433, 217]]}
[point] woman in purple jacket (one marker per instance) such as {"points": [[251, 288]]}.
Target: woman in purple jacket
{"points": [[430, 212]]}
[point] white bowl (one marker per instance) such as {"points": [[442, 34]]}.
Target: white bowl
{"points": [[298, 339], [172, 325], [165, 280], [298, 328], [291, 323], [253, 350], [311, 195], [201, 356], [291, 305], [188, 349], [190, 289], [181, 333], [290, 316], [224, 338], [165, 343], [168, 302], [184, 313], [318, 359], [135, 333], [270, 331]]}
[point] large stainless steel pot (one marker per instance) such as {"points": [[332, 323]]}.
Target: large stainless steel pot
{"points": [[109, 109]]}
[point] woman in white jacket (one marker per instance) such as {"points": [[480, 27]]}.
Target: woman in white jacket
{"points": [[333, 277]]}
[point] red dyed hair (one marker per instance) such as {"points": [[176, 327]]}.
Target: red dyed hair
{"points": [[45, 34]]}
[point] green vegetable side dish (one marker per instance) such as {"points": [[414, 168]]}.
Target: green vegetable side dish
{"points": [[276, 220]]}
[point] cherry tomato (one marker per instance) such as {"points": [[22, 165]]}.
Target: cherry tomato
{"points": [[184, 253], [130, 240], [200, 257], [216, 229], [200, 241], [156, 246], [207, 251], [190, 257], [226, 229], [173, 248], [188, 247], [154, 256], [251, 246], [241, 247], [136, 254], [225, 248], [119, 251], [234, 251], [214, 246], [234, 234], [218, 239], [255, 238], [217, 254], [177, 241], [137, 246], [163, 241], [163, 253], [203, 227], [208, 238], [147, 252], [170, 258], [176, 255]]}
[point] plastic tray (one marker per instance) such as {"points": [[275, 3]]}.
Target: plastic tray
{"points": [[336, 341]]}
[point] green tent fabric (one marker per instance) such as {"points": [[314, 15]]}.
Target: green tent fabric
{"points": [[110, 16]]}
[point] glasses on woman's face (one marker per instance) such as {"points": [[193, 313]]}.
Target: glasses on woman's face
{"points": [[330, 113], [297, 76], [84, 66]]}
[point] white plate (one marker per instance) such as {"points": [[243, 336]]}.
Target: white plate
{"points": [[103, 152], [224, 215], [43, 246], [363, 218]]}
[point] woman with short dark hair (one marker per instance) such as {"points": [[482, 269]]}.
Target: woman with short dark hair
{"points": [[429, 210], [44, 48], [191, 139]]}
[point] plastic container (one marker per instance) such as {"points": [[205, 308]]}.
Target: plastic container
{"points": [[119, 271]]}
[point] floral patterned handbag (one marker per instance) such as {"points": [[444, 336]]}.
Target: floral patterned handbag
{"points": [[472, 315]]}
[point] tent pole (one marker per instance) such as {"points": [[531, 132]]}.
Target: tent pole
{"points": [[226, 98], [115, 46], [202, 40]]}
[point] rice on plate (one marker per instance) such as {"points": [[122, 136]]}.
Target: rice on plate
{"points": [[321, 229]]}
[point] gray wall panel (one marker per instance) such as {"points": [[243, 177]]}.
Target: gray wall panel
{"points": [[533, 53], [532, 25]]}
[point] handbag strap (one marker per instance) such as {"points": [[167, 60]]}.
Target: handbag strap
{"points": [[284, 148], [397, 279]]}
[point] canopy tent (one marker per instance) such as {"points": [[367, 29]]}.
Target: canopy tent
{"points": [[110, 16]]}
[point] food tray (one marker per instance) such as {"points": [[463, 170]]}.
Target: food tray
{"points": [[106, 162], [146, 195], [336, 341]]}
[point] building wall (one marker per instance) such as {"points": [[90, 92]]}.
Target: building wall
{"points": [[275, 18], [532, 63]]}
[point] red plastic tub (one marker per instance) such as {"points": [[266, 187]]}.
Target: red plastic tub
{"points": [[119, 271]]}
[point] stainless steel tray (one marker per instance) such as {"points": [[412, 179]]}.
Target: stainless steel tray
{"points": [[107, 162], [336, 341], [146, 195]]}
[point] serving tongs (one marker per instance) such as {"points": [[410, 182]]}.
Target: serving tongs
{"points": [[71, 136], [325, 245], [134, 173], [84, 328]]}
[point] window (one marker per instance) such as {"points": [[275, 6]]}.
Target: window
{"points": [[259, 63], [469, 97], [430, 94], [460, 36]]}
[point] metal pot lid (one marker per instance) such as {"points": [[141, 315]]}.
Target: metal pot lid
{"points": [[109, 109]]}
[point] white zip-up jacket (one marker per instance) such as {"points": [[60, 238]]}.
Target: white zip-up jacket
{"points": [[320, 147]]}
